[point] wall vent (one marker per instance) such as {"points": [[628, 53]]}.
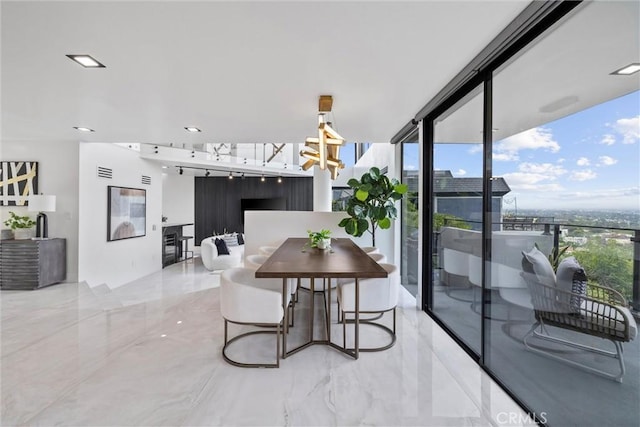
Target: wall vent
{"points": [[105, 172], [146, 180]]}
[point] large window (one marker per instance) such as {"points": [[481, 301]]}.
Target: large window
{"points": [[457, 217], [569, 150], [410, 213], [552, 137]]}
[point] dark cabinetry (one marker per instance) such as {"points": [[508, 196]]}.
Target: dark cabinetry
{"points": [[172, 243], [32, 264]]}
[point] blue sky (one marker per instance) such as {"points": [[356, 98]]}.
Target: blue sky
{"points": [[588, 160]]}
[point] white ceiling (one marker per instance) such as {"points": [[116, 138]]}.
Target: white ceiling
{"points": [[565, 71], [240, 71]]}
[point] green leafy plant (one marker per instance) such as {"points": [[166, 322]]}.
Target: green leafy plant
{"points": [[372, 204], [16, 221], [316, 236], [555, 256]]}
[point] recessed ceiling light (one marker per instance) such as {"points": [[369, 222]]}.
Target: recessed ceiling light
{"points": [[86, 61], [83, 129], [192, 129], [629, 69]]}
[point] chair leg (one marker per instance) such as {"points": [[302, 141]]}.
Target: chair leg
{"points": [[544, 335], [278, 332], [391, 331], [278, 346]]}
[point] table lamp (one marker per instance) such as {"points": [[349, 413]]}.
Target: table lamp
{"points": [[41, 203]]}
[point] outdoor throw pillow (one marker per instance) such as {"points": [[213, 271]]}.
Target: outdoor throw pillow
{"points": [[222, 247], [240, 239], [541, 266], [571, 278]]}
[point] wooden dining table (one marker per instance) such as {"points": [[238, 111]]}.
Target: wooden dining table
{"points": [[294, 259]]}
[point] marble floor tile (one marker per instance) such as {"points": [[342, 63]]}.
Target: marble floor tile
{"points": [[149, 354]]}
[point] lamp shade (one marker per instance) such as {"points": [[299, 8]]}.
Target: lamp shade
{"points": [[42, 203]]}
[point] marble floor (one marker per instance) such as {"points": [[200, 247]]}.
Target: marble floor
{"points": [[148, 354]]}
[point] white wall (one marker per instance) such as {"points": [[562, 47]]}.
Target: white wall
{"points": [[57, 175], [178, 201], [271, 228], [118, 262]]}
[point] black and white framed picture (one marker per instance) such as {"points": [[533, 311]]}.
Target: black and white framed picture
{"points": [[18, 181], [126, 213]]}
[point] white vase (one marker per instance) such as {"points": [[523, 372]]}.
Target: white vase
{"points": [[24, 233], [324, 243]]}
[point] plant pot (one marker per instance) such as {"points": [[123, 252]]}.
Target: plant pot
{"points": [[324, 243], [24, 233]]}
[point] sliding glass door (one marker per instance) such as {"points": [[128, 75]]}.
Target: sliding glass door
{"points": [[537, 154], [456, 205], [410, 213]]}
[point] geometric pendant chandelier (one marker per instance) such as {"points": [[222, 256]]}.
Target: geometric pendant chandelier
{"points": [[325, 149]]}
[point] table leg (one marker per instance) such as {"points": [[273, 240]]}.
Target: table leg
{"points": [[285, 291], [357, 322], [328, 309], [312, 308]]}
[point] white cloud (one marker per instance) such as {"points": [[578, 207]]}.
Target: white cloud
{"points": [[608, 139], [582, 175], [548, 169], [505, 157], [475, 148], [629, 129], [532, 139], [616, 192], [583, 161], [617, 198], [561, 160], [606, 161], [522, 181], [461, 172], [535, 177]]}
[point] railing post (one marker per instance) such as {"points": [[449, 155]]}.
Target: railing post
{"points": [[635, 300], [556, 238], [547, 230]]}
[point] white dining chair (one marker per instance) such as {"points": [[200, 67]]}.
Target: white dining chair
{"points": [[245, 300], [370, 249], [254, 262], [267, 250], [376, 296]]}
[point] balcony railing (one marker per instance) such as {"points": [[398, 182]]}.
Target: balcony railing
{"points": [[612, 241]]}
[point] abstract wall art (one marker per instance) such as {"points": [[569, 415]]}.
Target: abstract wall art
{"points": [[18, 181], [127, 213]]}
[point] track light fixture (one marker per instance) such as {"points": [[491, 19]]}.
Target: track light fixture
{"points": [[180, 171], [230, 175], [262, 178], [279, 180], [207, 173]]}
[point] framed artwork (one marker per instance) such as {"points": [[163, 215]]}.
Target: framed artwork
{"points": [[18, 181], [126, 213]]}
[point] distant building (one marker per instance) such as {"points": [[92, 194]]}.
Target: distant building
{"points": [[462, 197]]}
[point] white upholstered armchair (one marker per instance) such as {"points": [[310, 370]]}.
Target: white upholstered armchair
{"points": [[245, 300]]}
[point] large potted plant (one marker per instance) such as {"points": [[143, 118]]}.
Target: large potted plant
{"points": [[22, 226], [372, 204]]}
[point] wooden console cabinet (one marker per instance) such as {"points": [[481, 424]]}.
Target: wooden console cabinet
{"points": [[32, 264]]}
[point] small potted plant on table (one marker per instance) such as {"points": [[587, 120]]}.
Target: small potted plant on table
{"points": [[22, 226], [320, 239]]}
